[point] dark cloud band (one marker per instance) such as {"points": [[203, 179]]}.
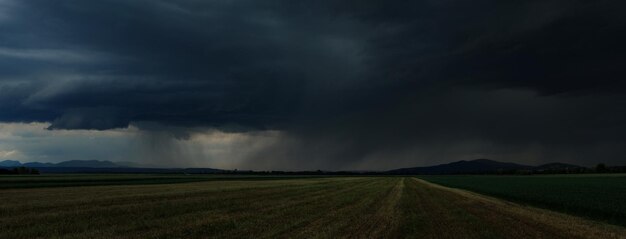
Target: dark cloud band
{"points": [[357, 78]]}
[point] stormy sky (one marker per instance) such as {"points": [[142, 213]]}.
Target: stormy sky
{"points": [[304, 85]]}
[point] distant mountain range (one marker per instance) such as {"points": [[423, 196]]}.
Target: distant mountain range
{"points": [[64, 164], [10, 163], [477, 166], [485, 166], [97, 166]]}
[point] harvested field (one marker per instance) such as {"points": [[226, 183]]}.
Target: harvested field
{"points": [[345, 207]]}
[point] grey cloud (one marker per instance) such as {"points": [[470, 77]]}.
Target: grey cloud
{"points": [[349, 83]]}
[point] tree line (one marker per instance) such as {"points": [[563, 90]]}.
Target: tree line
{"points": [[18, 170]]}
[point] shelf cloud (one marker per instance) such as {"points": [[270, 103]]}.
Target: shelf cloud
{"points": [[322, 84]]}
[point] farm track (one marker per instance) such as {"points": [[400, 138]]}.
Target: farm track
{"points": [[447, 213], [297, 208]]}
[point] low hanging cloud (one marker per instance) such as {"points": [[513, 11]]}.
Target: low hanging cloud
{"points": [[32, 142], [323, 84], [8, 153], [162, 146]]}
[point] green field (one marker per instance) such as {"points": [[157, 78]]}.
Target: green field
{"points": [[270, 207], [601, 197]]}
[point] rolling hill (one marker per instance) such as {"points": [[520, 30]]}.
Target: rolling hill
{"points": [[97, 166], [64, 164], [478, 166]]}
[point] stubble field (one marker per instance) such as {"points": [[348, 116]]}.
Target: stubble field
{"points": [[331, 207]]}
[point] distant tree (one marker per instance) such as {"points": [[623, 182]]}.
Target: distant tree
{"points": [[601, 168], [20, 170]]}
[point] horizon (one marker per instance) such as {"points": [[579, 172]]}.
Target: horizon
{"points": [[331, 85], [127, 164]]}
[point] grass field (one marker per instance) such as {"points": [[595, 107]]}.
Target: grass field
{"points": [[600, 197], [339, 207], [71, 180]]}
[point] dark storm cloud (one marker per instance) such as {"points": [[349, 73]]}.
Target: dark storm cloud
{"points": [[351, 83]]}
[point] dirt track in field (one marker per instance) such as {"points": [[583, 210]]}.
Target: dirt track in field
{"points": [[451, 213]]}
